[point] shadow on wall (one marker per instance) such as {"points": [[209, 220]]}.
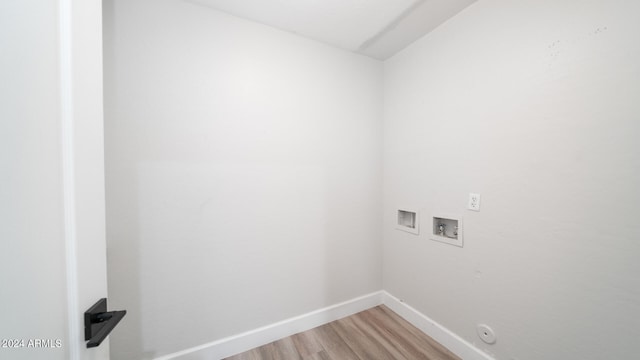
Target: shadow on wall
{"points": [[122, 222]]}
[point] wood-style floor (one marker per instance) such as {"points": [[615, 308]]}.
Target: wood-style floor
{"points": [[374, 334]]}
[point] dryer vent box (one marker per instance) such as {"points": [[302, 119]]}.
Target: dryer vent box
{"points": [[408, 221]]}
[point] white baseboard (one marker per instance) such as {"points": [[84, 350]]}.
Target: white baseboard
{"points": [[251, 339], [248, 340], [439, 333]]}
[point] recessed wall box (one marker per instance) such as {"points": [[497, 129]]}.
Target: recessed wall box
{"points": [[447, 229], [408, 221]]}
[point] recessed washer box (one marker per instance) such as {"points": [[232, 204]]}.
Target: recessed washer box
{"points": [[408, 220], [447, 229]]}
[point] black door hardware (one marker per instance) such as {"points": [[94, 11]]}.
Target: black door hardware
{"points": [[98, 322]]}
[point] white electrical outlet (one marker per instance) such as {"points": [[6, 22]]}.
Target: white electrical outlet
{"points": [[474, 202]]}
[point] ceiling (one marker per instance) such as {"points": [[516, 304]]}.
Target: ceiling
{"points": [[376, 28]]}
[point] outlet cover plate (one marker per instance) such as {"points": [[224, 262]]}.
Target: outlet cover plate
{"points": [[474, 202]]}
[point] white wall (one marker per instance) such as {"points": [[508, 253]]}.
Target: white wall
{"points": [[32, 266], [534, 105], [213, 122], [243, 175], [52, 258]]}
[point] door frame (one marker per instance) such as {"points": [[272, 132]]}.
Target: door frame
{"points": [[82, 149]]}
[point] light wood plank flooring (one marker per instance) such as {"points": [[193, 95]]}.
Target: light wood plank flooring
{"points": [[374, 334]]}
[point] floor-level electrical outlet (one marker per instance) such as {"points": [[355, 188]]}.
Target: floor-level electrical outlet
{"points": [[474, 202]]}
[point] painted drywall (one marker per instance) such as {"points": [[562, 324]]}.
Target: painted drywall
{"points": [[32, 259], [81, 108], [52, 233], [243, 175], [534, 105]]}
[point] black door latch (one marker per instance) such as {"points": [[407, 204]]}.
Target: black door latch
{"points": [[98, 322]]}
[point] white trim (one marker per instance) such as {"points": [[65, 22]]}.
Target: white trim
{"points": [[248, 340], [439, 333], [251, 339], [68, 174]]}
